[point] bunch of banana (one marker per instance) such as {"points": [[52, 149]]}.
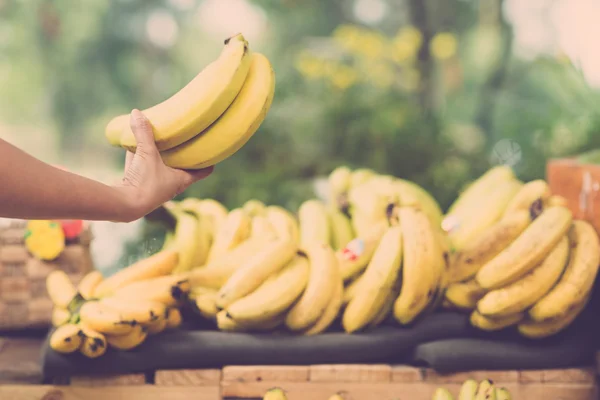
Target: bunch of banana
{"points": [[214, 115], [471, 390]]}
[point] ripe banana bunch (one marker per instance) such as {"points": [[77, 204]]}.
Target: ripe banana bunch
{"points": [[214, 115], [472, 390]]}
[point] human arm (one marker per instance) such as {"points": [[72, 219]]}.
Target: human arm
{"points": [[32, 189]]}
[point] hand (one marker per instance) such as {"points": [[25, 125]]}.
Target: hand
{"points": [[148, 182]]}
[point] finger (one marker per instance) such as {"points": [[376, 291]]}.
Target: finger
{"points": [[187, 177], [199, 174], [142, 130], [128, 157]]}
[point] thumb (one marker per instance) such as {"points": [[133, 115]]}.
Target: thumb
{"points": [[143, 133]]}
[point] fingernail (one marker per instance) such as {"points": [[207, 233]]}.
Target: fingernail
{"points": [[136, 115]]}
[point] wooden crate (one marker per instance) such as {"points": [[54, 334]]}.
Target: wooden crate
{"points": [[317, 382], [24, 302]]}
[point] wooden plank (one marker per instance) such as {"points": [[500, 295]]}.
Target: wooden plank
{"points": [[13, 254], [10, 236], [12, 270], [398, 391], [145, 392], [269, 373], [459, 377], [571, 375], [404, 373], [531, 376], [19, 361], [39, 311], [38, 268], [15, 289], [188, 377], [350, 373], [109, 380]]}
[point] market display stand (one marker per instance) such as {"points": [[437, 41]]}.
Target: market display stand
{"points": [[20, 380]]}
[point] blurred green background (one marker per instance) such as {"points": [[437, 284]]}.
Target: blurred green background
{"points": [[433, 91]]}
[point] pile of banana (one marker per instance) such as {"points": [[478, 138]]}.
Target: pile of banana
{"points": [[214, 115], [118, 312], [520, 257], [471, 390], [278, 393]]}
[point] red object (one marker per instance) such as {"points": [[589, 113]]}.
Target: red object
{"points": [[72, 228]]}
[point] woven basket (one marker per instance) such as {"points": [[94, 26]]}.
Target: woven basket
{"points": [[24, 301]]}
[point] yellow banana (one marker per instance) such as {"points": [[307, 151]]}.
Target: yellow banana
{"points": [[468, 390], [141, 311], [484, 215], [339, 183], [261, 226], [234, 230], [369, 202], [420, 269], [538, 330], [185, 241], [174, 318], [355, 256], [578, 278], [360, 176], [274, 296], [464, 295], [486, 391], [203, 231], [341, 228], [235, 127], [130, 341], [201, 102], [254, 208], [93, 344], [488, 245], [495, 324], [169, 290], [337, 396], [331, 311], [409, 192], [520, 295], [525, 252], [159, 264], [319, 290], [207, 305], [225, 323], [376, 283], [60, 288], [66, 338], [532, 197], [388, 305], [314, 223], [157, 326], [215, 213], [103, 319], [88, 284], [442, 394], [284, 223], [556, 201], [217, 272], [60, 316], [503, 394], [255, 271], [350, 290], [275, 394]]}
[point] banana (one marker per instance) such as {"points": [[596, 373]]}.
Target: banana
{"points": [[464, 295], [262, 227], [341, 228], [525, 252], [388, 305], [557, 201], [168, 242], [314, 222], [578, 278], [174, 318], [88, 284], [420, 269], [215, 213], [217, 272], [103, 319], [60, 289], [255, 271], [93, 344], [350, 290], [130, 341], [274, 296], [484, 214], [503, 394], [319, 290], [275, 394], [254, 208], [360, 176], [532, 197], [207, 305], [185, 240], [169, 290], [200, 103], [141, 311], [353, 258], [370, 203], [339, 183], [468, 390], [488, 245], [331, 311], [376, 283], [235, 127], [234, 230], [495, 324], [284, 223], [66, 338], [476, 192], [60, 316], [114, 129], [520, 295], [486, 391], [442, 394], [337, 396], [203, 231], [157, 326], [538, 330], [159, 264], [410, 193], [227, 324]]}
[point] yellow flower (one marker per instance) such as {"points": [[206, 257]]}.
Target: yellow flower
{"points": [[309, 66], [381, 75], [347, 36], [443, 45], [410, 35], [344, 77], [411, 79], [406, 45]]}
